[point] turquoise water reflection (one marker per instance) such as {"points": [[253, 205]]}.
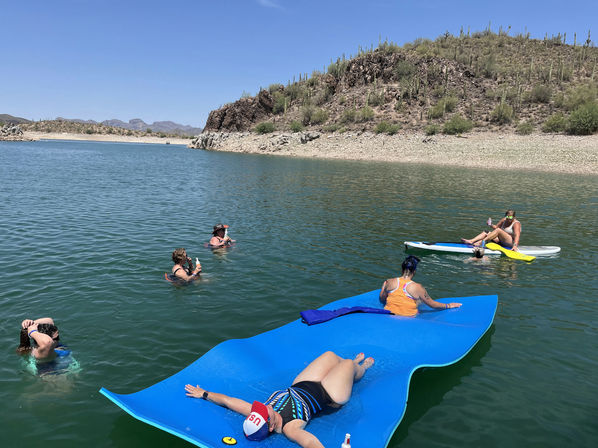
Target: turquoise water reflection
{"points": [[88, 228]]}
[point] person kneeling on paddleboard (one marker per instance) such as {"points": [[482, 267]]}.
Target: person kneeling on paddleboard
{"points": [[506, 233], [327, 382], [402, 295], [220, 237]]}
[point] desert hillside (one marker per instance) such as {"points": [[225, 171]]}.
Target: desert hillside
{"points": [[485, 80]]}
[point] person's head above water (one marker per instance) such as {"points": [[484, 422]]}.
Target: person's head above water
{"points": [[179, 256], [218, 228], [255, 426], [478, 252], [50, 330], [409, 266]]}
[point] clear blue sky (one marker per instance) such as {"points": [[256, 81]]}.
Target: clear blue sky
{"points": [[179, 59]]}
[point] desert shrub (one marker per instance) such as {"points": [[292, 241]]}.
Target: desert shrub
{"points": [[332, 127], [295, 91], [366, 114], [265, 127], [89, 131], [446, 104], [389, 47], [404, 69], [375, 99], [581, 95], [541, 94], [555, 123], [319, 116], [323, 96], [489, 66], [306, 114], [311, 115], [338, 68], [296, 126], [584, 120], [349, 115], [437, 92], [525, 128], [274, 87], [432, 129], [384, 127], [502, 114], [246, 94], [280, 102], [457, 125]]}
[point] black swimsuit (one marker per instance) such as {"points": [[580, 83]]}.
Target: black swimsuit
{"points": [[301, 401]]}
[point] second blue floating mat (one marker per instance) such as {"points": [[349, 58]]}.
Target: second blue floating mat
{"points": [[252, 368]]}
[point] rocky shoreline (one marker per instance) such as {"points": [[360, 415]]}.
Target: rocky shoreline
{"points": [[536, 152]]}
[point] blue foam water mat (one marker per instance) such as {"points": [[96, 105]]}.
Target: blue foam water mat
{"points": [[252, 368]]}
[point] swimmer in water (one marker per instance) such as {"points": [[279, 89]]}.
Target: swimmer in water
{"points": [[187, 274], [45, 336], [478, 256], [220, 238]]}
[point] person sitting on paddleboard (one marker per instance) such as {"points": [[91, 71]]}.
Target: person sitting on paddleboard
{"points": [[180, 258], [220, 238], [506, 233], [327, 382], [402, 295], [44, 334]]}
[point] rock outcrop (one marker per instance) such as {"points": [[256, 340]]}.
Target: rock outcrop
{"points": [[269, 142], [241, 115], [12, 133]]}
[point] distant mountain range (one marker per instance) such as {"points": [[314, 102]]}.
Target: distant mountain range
{"points": [[136, 124]]}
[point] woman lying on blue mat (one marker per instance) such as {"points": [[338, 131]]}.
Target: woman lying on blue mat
{"points": [[326, 382], [402, 295]]}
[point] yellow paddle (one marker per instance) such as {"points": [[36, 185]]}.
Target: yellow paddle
{"points": [[510, 253]]}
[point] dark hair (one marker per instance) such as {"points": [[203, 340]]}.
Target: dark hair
{"points": [[478, 252], [24, 342], [178, 256], [510, 210], [410, 264], [47, 329]]}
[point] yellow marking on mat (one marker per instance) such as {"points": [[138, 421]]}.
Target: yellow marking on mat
{"points": [[229, 440]]}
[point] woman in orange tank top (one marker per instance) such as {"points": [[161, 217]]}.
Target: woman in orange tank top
{"points": [[402, 295]]}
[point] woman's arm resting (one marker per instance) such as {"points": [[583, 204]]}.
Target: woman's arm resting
{"points": [[232, 403], [423, 295], [301, 436]]}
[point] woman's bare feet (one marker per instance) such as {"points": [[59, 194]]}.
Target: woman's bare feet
{"points": [[463, 240], [368, 362], [358, 358]]}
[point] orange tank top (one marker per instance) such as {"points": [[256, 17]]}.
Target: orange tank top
{"points": [[400, 302]]}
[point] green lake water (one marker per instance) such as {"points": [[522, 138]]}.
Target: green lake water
{"points": [[86, 233]]}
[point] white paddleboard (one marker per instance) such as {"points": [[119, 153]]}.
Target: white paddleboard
{"points": [[461, 248]]}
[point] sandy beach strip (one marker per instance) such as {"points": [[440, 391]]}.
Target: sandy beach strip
{"points": [[491, 150], [105, 138]]}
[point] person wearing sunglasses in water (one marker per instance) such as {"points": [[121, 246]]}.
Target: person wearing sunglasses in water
{"points": [[506, 233]]}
